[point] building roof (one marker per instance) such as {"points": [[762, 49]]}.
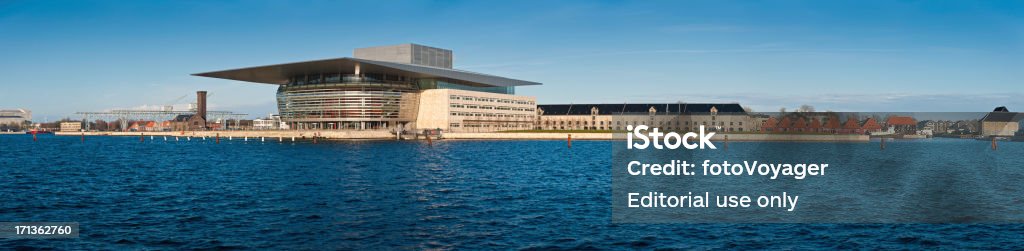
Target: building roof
{"points": [[871, 124], [851, 123], [19, 110], [617, 109], [278, 74], [182, 118], [1002, 117], [900, 120], [16, 114]]}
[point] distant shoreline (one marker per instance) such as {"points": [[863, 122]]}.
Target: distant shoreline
{"points": [[385, 135]]}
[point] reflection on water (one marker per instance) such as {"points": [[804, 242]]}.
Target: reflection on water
{"points": [[376, 195]]}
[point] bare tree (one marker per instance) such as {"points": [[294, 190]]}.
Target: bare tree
{"points": [[805, 108], [100, 125]]}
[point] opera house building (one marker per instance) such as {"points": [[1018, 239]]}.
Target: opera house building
{"points": [[400, 87]]}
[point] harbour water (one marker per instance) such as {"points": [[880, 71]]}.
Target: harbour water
{"points": [[449, 194]]}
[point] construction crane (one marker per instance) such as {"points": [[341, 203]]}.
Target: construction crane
{"points": [[167, 113], [170, 105]]}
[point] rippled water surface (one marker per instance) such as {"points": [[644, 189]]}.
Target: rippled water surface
{"points": [[375, 195]]}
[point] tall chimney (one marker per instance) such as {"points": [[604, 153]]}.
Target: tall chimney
{"points": [[201, 104]]}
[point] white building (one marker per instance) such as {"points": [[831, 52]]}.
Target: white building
{"points": [[15, 116], [273, 122]]}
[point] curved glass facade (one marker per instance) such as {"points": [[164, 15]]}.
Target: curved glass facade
{"points": [[336, 101], [426, 84], [351, 101]]}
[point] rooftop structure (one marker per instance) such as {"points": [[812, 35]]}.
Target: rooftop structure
{"points": [[407, 54], [378, 88]]}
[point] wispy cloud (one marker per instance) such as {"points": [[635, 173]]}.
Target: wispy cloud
{"points": [[685, 28], [175, 107]]}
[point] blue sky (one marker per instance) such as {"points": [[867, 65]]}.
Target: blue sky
{"points": [[59, 57]]}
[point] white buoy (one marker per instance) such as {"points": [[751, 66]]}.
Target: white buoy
{"points": [[263, 139], [150, 137], [293, 138], [229, 137], [246, 138], [280, 139], [189, 138], [175, 138], [165, 138]]}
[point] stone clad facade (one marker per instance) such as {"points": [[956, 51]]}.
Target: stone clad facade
{"points": [[471, 111]]}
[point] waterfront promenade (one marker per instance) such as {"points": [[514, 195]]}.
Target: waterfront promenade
{"points": [[386, 135], [298, 134]]}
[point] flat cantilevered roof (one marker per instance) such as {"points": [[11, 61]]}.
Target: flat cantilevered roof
{"points": [[278, 74]]}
